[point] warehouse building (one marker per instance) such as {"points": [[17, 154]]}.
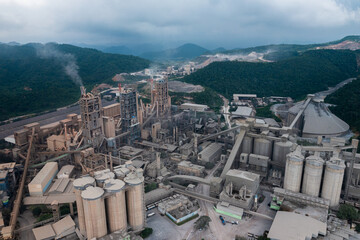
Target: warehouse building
{"points": [[43, 179], [211, 153]]}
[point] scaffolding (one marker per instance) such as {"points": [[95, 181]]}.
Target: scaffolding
{"points": [[160, 97], [129, 114], [91, 117]]}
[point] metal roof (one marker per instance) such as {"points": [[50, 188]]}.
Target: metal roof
{"points": [[44, 232], [44, 172], [293, 226], [318, 119]]}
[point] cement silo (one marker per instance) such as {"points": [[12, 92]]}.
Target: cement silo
{"points": [[263, 147], [281, 149], [80, 185], [102, 176], [94, 209], [115, 205], [293, 171], [312, 175], [247, 145], [135, 201], [333, 179]]}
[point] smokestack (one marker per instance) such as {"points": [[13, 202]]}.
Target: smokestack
{"points": [[83, 91], [158, 163]]}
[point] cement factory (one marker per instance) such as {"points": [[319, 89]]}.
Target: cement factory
{"points": [[115, 171]]}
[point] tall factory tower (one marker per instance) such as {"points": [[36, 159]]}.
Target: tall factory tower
{"points": [[160, 96], [128, 112], [91, 117]]}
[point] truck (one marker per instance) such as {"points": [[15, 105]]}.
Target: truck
{"points": [[222, 220], [276, 203]]}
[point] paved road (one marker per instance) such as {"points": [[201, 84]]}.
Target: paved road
{"points": [[47, 118]]}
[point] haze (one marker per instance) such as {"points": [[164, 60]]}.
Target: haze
{"points": [[210, 23]]}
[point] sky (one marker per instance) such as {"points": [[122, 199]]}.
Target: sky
{"points": [[169, 23]]}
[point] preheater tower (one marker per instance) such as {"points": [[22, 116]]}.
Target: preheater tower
{"points": [[116, 205], [135, 200], [94, 208], [80, 185]]}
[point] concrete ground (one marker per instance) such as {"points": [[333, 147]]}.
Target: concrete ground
{"points": [[26, 219], [164, 228]]}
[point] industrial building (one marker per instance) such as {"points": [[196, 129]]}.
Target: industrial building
{"points": [[43, 179], [316, 119], [191, 169], [210, 154]]}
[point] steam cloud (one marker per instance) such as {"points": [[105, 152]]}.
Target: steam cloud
{"points": [[67, 60]]}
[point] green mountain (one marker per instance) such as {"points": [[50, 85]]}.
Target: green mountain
{"points": [[347, 104], [36, 77], [309, 72], [184, 52]]}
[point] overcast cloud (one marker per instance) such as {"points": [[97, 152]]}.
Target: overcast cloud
{"points": [[210, 23]]}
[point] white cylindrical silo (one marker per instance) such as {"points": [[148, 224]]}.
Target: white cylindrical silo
{"points": [[333, 179], [281, 149], [80, 185], [115, 205], [312, 175], [263, 147], [293, 171], [135, 201], [94, 209], [247, 145]]}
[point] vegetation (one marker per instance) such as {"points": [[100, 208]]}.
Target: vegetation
{"points": [[209, 165], [146, 232], [347, 104], [30, 83], [296, 77], [208, 97], [151, 186], [265, 112], [348, 212], [202, 222], [36, 211]]}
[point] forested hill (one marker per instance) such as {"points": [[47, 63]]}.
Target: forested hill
{"points": [[296, 77], [36, 77], [347, 104]]}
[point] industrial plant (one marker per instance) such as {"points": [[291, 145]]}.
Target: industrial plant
{"points": [[116, 170]]}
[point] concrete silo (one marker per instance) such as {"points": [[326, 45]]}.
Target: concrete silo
{"points": [[135, 201], [263, 147], [80, 185], [247, 145], [333, 179], [281, 149], [94, 209], [102, 176], [312, 175], [293, 171], [115, 204]]}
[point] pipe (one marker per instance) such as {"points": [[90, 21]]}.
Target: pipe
{"points": [[20, 192]]}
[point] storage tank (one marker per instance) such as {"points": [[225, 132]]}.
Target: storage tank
{"points": [[80, 185], [333, 179], [115, 205], [247, 145], [121, 172], [263, 147], [94, 209], [293, 171], [312, 175], [135, 201], [102, 176], [281, 149]]}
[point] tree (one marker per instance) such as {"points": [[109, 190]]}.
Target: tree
{"points": [[202, 222], [146, 232], [348, 212]]}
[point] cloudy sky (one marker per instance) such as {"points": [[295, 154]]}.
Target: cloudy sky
{"points": [[210, 23]]}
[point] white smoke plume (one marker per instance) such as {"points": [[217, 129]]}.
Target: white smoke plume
{"points": [[67, 60]]}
